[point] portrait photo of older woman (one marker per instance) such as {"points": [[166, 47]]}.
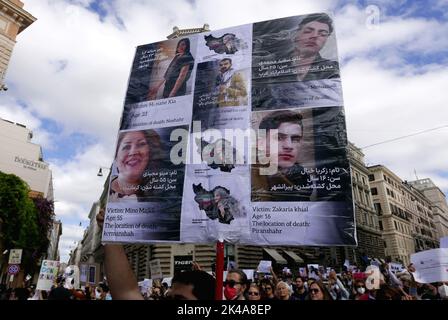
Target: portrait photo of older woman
{"points": [[136, 150]]}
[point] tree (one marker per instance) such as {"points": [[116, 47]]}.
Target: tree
{"points": [[25, 222]]}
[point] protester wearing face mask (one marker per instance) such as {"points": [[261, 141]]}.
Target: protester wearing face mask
{"points": [[359, 290], [443, 291], [235, 285], [99, 293]]}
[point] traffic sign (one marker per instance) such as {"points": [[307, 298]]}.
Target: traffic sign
{"points": [[13, 269], [15, 256]]}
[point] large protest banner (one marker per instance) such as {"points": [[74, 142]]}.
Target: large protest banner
{"points": [[431, 265], [47, 276], [236, 134]]}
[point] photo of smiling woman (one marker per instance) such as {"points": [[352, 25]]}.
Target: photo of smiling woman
{"points": [[136, 152]]}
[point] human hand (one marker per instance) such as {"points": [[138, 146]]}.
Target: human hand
{"points": [[195, 266], [407, 297]]}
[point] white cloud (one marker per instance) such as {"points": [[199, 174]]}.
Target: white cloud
{"points": [[69, 238], [76, 182], [382, 104], [391, 36]]}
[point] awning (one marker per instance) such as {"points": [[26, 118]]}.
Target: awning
{"points": [[294, 256], [275, 255]]}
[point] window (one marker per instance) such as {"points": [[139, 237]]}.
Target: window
{"points": [[371, 177], [92, 271], [388, 192], [395, 223], [378, 208], [381, 225], [368, 200], [374, 191], [363, 180]]}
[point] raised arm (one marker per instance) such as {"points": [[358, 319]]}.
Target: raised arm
{"points": [[122, 282]]}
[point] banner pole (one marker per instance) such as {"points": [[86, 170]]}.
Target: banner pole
{"points": [[219, 269]]}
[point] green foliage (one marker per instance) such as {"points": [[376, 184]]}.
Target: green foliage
{"points": [[26, 222]]}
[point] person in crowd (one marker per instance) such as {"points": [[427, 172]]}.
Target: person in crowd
{"points": [[79, 294], [267, 289], [386, 292], [88, 292], [282, 291], [136, 150], [230, 85], [235, 285], [59, 292], [428, 291], [318, 291], [300, 292], [336, 287], [347, 279], [177, 73], [443, 290], [156, 294], [254, 292], [102, 292], [359, 291]]}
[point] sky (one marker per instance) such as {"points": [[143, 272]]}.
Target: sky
{"points": [[69, 70]]}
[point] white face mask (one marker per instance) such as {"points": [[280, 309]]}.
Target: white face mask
{"points": [[97, 295], [361, 290], [443, 291]]}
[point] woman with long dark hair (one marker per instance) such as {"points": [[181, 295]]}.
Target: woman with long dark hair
{"points": [[177, 73]]}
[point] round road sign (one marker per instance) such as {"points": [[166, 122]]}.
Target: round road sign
{"points": [[13, 269]]}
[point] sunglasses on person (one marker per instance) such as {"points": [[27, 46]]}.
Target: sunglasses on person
{"points": [[253, 293], [267, 288], [357, 287], [314, 291], [231, 283]]}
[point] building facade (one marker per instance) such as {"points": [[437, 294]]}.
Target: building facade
{"points": [[13, 20], [406, 219], [439, 204], [53, 247], [19, 156], [370, 243]]}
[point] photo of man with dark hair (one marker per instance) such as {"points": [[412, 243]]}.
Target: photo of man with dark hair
{"points": [[290, 182]]}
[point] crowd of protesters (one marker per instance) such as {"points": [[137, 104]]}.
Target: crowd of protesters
{"points": [[346, 285], [59, 291], [283, 285]]}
